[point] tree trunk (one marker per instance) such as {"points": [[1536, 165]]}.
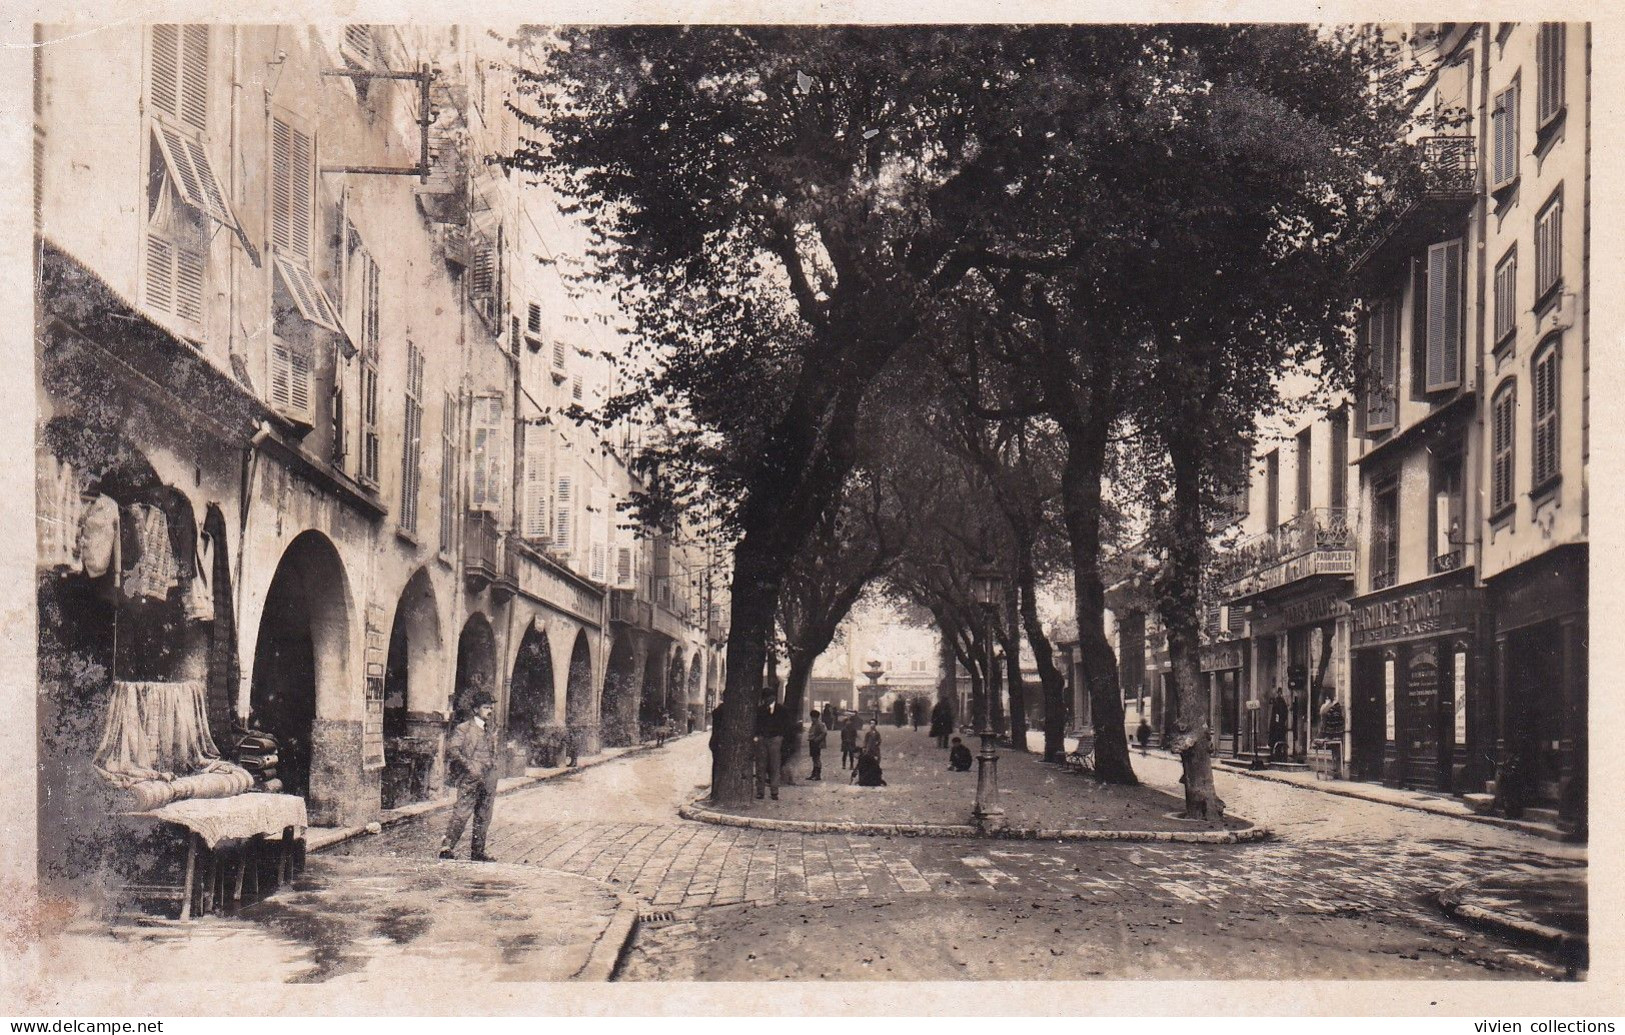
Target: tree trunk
{"points": [[751, 609], [1044, 658], [948, 685], [1178, 600], [1080, 496], [1012, 667]]}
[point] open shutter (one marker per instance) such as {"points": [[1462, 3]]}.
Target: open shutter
{"points": [[160, 280], [536, 486], [563, 516], [1382, 332], [290, 379], [1444, 316], [179, 77], [292, 157]]}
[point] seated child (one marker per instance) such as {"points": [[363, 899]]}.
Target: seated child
{"points": [[959, 757]]}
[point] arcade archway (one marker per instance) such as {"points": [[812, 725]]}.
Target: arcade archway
{"points": [[412, 675], [530, 701], [301, 664], [476, 665], [618, 710]]}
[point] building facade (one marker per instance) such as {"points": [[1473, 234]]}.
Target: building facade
{"points": [[293, 354], [1470, 620]]}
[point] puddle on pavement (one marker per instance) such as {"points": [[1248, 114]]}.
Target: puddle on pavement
{"points": [[402, 925], [327, 939]]}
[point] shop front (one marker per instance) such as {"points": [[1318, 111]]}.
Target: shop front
{"points": [[1224, 667], [1541, 632], [1417, 714], [1308, 654]]}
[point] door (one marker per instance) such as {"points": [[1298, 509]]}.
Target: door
{"points": [[1420, 733], [1367, 716]]}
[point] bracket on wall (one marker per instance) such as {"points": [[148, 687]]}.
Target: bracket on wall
{"points": [[423, 77]]}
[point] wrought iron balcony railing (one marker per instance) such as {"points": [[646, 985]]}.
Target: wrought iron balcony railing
{"points": [[1268, 559]]}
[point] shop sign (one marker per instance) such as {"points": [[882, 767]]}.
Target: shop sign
{"points": [[1429, 611], [1388, 696], [1317, 562], [1550, 590], [1217, 657], [1272, 618], [372, 720]]}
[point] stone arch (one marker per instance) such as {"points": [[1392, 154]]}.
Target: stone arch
{"points": [[412, 687], [618, 707], [531, 700], [696, 694], [677, 689], [652, 701], [476, 664], [578, 697], [301, 675]]}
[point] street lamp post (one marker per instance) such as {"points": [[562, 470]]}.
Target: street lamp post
{"points": [[987, 586]]}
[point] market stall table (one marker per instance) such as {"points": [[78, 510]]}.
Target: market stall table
{"points": [[218, 826]]}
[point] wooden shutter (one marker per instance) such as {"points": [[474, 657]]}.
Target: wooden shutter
{"points": [[624, 577], [534, 319], [1382, 326], [178, 82], [291, 370], [563, 516], [536, 485], [1445, 300], [1504, 137], [1544, 446], [1501, 472], [160, 277], [1551, 58], [292, 190], [1549, 246], [1506, 306]]}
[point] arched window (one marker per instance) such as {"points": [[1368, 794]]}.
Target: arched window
{"points": [[1543, 451], [1503, 408]]}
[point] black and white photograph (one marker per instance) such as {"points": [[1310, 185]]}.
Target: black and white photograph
{"points": [[544, 502]]}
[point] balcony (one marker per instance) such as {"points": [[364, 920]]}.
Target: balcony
{"points": [[1317, 542], [487, 557], [1424, 206], [627, 608]]}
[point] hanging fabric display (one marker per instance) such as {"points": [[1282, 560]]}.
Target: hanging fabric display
{"points": [[157, 749], [59, 508], [153, 573], [99, 538], [224, 670], [199, 599]]}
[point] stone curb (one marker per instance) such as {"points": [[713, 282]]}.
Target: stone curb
{"points": [[328, 838], [1533, 829], [609, 951], [700, 814], [1572, 947]]}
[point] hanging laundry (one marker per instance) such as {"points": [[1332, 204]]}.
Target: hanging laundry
{"points": [[99, 536], [224, 668], [153, 574], [182, 522], [199, 593], [59, 508]]}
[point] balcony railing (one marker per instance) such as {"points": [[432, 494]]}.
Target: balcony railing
{"points": [[1441, 183], [487, 557], [1319, 541], [627, 608]]}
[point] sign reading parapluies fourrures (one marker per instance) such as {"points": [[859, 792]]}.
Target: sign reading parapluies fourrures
{"points": [[1414, 612]]}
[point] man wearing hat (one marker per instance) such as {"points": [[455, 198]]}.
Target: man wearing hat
{"points": [[471, 758]]}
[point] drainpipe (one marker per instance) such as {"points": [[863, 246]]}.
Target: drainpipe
{"points": [[1471, 479]]}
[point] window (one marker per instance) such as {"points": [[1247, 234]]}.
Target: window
{"points": [[1449, 516], [296, 290], [293, 172], [448, 473], [1381, 348], [485, 488], [1272, 489], [1305, 465], [1549, 247], [1504, 138], [367, 471], [336, 405], [1550, 63], [1503, 410], [563, 516], [1543, 449], [533, 323], [183, 191], [1446, 291], [412, 439], [1506, 298], [1385, 536], [537, 482], [1339, 473], [360, 279], [291, 370]]}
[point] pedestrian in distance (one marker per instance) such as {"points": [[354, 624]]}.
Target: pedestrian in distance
{"points": [[942, 723], [916, 713], [849, 741], [959, 757], [769, 743], [471, 756], [830, 716], [1277, 730], [899, 713], [815, 745], [1142, 733]]}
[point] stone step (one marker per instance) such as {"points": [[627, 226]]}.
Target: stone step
{"points": [[1479, 803]]}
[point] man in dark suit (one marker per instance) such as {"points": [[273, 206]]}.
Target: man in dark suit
{"points": [[471, 758], [770, 729]]}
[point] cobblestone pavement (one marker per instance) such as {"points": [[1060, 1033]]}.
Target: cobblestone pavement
{"points": [[1353, 878]]}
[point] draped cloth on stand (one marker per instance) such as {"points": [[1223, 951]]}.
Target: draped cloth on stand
{"points": [[224, 668], [154, 729], [244, 816]]}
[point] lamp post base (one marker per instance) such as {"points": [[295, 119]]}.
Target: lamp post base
{"points": [[988, 815]]}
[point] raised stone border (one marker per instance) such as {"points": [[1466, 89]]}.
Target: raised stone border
{"points": [[1573, 948], [702, 814]]}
